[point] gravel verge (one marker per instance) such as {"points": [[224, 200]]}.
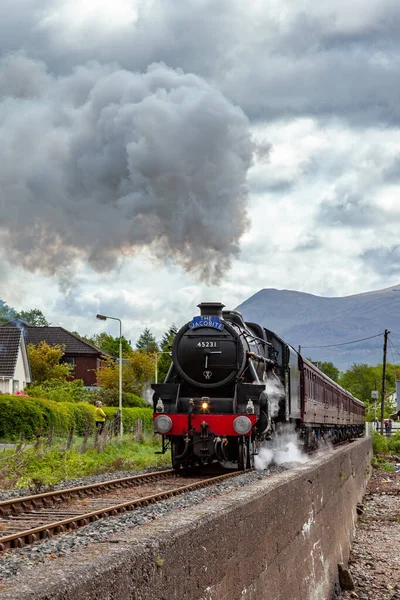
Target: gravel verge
{"points": [[374, 561], [12, 562]]}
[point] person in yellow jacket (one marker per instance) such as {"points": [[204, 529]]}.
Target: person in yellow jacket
{"points": [[100, 418]]}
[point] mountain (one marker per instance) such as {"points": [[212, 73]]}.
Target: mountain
{"points": [[308, 320]]}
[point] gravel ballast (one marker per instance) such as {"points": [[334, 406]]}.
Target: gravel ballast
{"points": [[78, 481]]}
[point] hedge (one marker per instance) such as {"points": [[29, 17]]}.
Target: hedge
{"points": [[131, 415], [30, 416]]}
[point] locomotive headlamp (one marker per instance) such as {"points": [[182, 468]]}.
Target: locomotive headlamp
{"points": [[205, 403], [163, 424], [242, 425]]}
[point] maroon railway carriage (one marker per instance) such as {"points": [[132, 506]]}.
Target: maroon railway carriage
{"points": [[234, 384], [327, 408]]}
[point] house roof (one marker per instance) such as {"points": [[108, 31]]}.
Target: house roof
{"points": [[58, 335], [10, 340], [54, 336]]}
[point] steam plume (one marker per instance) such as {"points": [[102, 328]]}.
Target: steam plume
{"points": [[104, 161]]}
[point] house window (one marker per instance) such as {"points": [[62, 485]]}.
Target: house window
{"points": [[70, 361], [15, 386]]}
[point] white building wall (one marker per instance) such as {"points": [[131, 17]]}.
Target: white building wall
{"points": [[21, 377], [6, 386]]}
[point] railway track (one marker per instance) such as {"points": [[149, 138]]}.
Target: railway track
{"points": [[29, 519]]}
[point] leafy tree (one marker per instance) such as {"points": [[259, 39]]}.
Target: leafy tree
{"points": [[361, 379], [34, 317], [137, 371], [147, 342], [329, 369], [110, 345], [85, 338], [45, 362], [6, 312], [164, 360]]}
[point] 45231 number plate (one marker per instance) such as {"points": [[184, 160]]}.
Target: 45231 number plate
{"points": [[207, 344]]}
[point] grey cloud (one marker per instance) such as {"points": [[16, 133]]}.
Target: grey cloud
{"points": [[302, 59], [392, 173], [308, 243], [385, 261], [348, 209], [275, 187], [104, 161]]}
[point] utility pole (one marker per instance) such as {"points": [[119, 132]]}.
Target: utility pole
{"points": [[385, 338]]}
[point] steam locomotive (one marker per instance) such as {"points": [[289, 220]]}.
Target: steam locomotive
{"points": [[233, 385]]}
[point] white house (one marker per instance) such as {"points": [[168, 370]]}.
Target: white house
{"points": [[14, 363]]}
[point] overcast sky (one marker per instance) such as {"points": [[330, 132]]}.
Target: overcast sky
{"points": [[156, 154]]}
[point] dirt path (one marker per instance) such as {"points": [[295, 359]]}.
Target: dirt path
{"points": [[375, 559]]}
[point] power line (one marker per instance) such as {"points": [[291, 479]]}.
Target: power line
{"points": [[345, 343], [393, 347]]}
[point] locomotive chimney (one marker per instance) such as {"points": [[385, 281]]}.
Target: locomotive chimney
{"points": [[211, 309]]}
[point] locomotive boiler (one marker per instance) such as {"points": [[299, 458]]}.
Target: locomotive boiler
{"points": [[234, 384]]}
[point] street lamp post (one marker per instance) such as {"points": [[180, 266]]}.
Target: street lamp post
{"points": [[156, 371], [104, 318]]}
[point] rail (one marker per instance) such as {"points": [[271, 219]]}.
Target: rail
{"points": [[21, 538]]}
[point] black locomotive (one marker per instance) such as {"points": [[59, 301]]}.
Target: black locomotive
{"points": [[233, 384]]}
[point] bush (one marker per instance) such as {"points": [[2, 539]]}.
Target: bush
{"points": [[133, 401], [82, 415], [33, 416], [379, 443], [111, 398], [19, 415], [61, 391], [130, 416], [394, 444]]}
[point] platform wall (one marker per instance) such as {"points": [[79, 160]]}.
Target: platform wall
{"points": [[279, 539]]}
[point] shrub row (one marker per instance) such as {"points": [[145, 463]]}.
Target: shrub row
{"points": [[130, 416], [30, 416], [74, 391], [386, 445]]}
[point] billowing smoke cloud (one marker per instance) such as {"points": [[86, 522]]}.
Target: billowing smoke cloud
{"points": [[104, 161]]}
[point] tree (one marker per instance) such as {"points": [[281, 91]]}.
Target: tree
{"points": [[164, 360], [34, 317], [147, 342], [137, 371], [85, 338], [6, 312], [110, 345], [361, 379], [45, 362], [329, 369]]}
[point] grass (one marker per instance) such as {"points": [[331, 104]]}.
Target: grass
{"points": [[36, 468]]}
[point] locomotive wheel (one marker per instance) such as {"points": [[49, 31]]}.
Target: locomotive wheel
{"points": [[250, 458], [244, 457], [177, 447]]}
